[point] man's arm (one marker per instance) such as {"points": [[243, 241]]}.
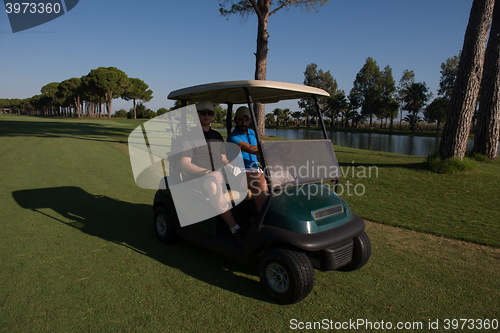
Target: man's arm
{"points": [[248, 148], [191, 168]]}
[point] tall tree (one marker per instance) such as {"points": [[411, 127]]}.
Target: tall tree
{"points": [[315, 77], [263, 9], [488, 120], [70, 91], [137, 90], [449, 70], [110, 82], [407, 79], [388, 104], [463, 99], [436, 111], [367, 89], [50, 91]]}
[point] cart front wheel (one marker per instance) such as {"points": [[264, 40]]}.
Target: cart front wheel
{"points": [[287, 275]]}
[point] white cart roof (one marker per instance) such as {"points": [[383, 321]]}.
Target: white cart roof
{"points": [[262, 91]]}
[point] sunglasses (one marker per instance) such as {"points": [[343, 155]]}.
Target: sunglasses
{"points": [[204, 113]]}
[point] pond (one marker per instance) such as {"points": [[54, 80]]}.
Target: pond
{"points": [[399, 144]]}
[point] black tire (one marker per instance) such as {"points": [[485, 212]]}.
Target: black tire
{"points": [[287, 275], [164, 225], [361, 252]]}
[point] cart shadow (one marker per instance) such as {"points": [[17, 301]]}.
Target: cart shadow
{"points": [[131, 225]]}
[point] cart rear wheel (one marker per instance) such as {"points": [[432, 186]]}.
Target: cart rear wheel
{"points": [[287, 275], [361, 252], [164, 225]]}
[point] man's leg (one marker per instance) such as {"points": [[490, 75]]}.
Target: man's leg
{"points": [[213, 187], [258, 185]]}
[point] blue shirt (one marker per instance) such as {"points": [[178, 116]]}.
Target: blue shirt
{"points": [[236, 137]]}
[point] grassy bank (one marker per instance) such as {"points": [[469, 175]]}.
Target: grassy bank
{"points": [[79, 252]]}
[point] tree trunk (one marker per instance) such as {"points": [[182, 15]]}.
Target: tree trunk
{"points": [[262, 10], [135, 113], [488, 120], [464, 96], [77, 105], [109, 101]]}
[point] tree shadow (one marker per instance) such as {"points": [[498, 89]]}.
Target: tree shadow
{"points": [[55, 129], [131, 225]]}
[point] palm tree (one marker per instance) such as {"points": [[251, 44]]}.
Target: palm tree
{"points": [[269, 118], [297, 115], [285, 114], [337, 104], [278, 113], [413, 120], [415, 97]]}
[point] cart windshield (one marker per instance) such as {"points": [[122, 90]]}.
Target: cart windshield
{"points": [[297, 162]]}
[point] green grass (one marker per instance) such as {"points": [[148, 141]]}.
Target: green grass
{"points": [[78, 252], [406, 193]]}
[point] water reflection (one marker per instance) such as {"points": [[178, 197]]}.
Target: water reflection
{"points": [[399, 144]]}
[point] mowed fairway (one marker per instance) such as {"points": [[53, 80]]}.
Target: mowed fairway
{"points": [[78, 253]]}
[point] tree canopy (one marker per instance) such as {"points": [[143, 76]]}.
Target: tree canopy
{"points": [[110, 82], [436, 111], [315, 77], [367, 89], [137, 90], [449, 70]]}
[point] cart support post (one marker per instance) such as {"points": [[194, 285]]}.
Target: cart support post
{"points": [[265, 207], [257, 135], [320, 116], [229, 118]]}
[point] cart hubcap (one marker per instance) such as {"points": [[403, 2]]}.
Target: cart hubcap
{"points": [[161, 225], [277, 278]]}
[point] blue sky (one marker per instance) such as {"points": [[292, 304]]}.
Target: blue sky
{"points": [[174, 44]]}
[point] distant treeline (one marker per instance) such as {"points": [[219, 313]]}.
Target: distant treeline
{"points": [[85, 96]]}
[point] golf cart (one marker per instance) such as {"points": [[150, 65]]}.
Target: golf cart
{"points": [[303, 223]]}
